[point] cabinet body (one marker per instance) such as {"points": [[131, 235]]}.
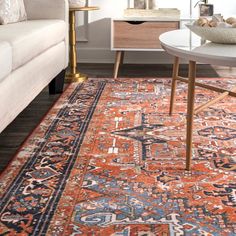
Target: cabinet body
{"points": [[139, 35]]}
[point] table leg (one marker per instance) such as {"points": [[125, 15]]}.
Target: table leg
{"points": [[190, 112], [117, 63], [73, 56], [73, 74], [175, 74], [213, 101]]}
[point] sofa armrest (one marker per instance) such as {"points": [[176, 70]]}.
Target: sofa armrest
{"points": [[47, 9]]}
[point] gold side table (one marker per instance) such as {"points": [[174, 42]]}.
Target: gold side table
{"points": [[73, 75]]}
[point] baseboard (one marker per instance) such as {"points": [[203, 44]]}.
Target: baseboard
{"points": [[104, 55]]}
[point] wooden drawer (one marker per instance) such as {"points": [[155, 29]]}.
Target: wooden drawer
{"points": [[140, 34]]}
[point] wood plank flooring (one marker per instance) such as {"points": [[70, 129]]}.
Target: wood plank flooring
{"points": [[15, 134]]}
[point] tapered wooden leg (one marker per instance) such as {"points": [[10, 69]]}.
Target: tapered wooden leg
{"points": [[175, 74], [190, 112], [213, 101], [117, 63], [122, 58]]}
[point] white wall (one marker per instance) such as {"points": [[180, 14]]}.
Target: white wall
{"points": [[97, 49]]}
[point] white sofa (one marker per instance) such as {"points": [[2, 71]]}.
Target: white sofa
{"points": [[33, 54]]}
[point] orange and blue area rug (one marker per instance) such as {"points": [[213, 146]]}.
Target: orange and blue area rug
{"points": [[109, 160]]}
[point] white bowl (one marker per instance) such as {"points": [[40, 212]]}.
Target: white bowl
{"points": [[215, 34]]}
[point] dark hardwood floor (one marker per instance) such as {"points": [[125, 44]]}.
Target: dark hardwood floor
{"points": [[15, 134], [134, 70]]}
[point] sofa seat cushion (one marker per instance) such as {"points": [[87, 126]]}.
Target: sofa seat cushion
{"points": [[5, 59], [30, 38]]}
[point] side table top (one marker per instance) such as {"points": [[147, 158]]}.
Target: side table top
{"points": [[92, 8], [185, 44]]}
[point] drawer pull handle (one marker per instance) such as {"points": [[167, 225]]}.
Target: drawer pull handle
{"points": [[135, 22]]}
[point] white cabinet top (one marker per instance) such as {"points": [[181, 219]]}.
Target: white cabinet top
{"points": [[185, 44], [146, 19], [166, 18]]}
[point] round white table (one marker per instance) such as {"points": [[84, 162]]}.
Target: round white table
{"points": [[187, 45]]}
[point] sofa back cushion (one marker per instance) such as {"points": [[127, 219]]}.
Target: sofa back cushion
{"points": [[29, 39], [12, 11]]}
